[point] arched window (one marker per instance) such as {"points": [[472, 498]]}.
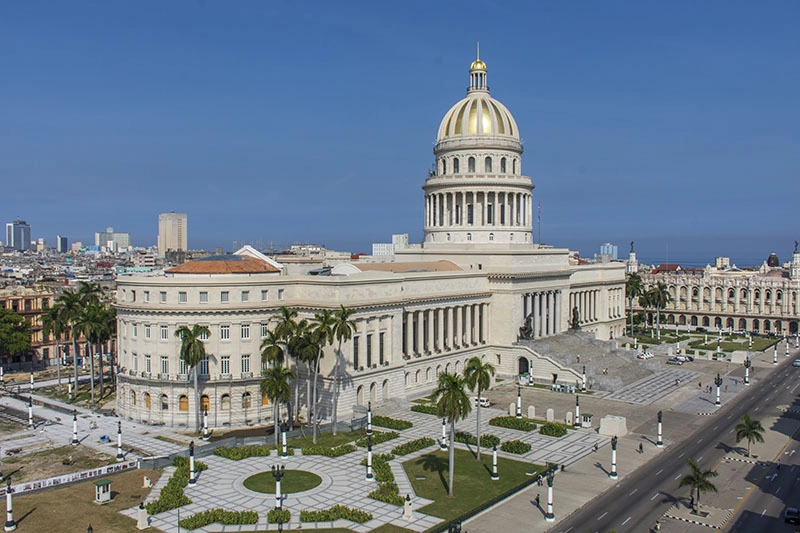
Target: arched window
{"points": [[730, 293], [428, 375], [778, 295], [246, 401], [694, 292], [147, 400], [491, 236], [444, 166], [471, 164], [416, 376], [448, 236], [513, 166], [455, 165], [183, 403], [204, 403], [133, 397], [503, 165], [225, 402], [487, 165], [264, 399], [757, 294], [768, 295], [164, 402], [469, 236]]}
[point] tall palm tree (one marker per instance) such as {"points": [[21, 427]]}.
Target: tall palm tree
{"points": [[451, 403], [286, 329], [192, 352], [659, 297], [633, 289], [106, 332], [343, 328], [304, 350], [90, 324], [749, 429], [54, 323], [478, 375], [698, 481], [71, 308], [322, 333], [275, 386], [272, 349]]}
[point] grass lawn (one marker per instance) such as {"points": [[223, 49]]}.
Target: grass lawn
{"points": [[387, 528], [471, 481], [48, 463], [294, 481], [327, 439]]}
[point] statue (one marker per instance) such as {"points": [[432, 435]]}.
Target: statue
{"points": [[576, 318], [631, 246], [526, 331], [795, 246]]}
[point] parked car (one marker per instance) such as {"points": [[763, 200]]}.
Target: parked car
{"points": [[796, 362], [484, 401], [791, 515], [684, 358], [700, 330], [674, 361]]}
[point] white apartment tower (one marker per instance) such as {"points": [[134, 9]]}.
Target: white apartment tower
{"points": [[171, 232]]}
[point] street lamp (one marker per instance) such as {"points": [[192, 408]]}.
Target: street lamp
{"points": [[119, 441], [278, 472], [369, 418], [519, 401], [205, 425], [747, 365], [718, 383], [10, 524], [90, 529], [369, 457], [550, 473], [192, 480], [583, 379], [75, 427], [613, 473], [284, 429], [443, 444], [30, 413], [495, 475]]}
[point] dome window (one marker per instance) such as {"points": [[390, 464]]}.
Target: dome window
{"points": [[503, 165], [444, 166], [487, 165], [455, 166], [471, 164], [514, 166]]}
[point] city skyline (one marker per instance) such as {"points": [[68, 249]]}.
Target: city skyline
{"points": [[671, 126]]}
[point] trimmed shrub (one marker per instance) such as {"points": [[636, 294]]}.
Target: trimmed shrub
{"points": [[172, 496], [329, 452], [243, 452], [512, 422], [220, 516], [377, 438], [387, 490], [487, 439], [335, 513], [284, 515], [427, 409], [413, 446], [553, 429], [391, 423], [387, 493], [515, 446]]}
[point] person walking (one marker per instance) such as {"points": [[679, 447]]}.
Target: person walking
{"points": [[537, 500], [641, 448]]}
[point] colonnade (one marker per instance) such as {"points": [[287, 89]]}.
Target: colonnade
{"points": [[544, 309], [372, 342], [441, 329], [616, 303], [478, 208], [586, 302]]}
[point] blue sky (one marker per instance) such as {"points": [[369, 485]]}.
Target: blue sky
{"points": [[673, 124]]}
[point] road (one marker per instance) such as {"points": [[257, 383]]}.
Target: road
{"points": [[642, 497]]}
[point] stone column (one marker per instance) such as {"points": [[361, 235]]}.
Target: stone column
{"points": [[468, 325], [431, 332], [536, 321], [552, 320], [459, 338], [449, 338], [557, 312], [484, 323], [440, 330], [420, 333], [409, 333]]}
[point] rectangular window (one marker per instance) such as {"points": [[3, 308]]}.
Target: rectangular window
{"points": [[369, 351], [490, 214], [146, 296], [204, 335], [264, 329], [203, 297], [135, 330], [147, 331], [163, 296], [182, 297], [182, 365], [381, 356], [164, 364], [135, 362], [246, 363], [280, 294], [264, 295], [204, 367], [245, 331], [355, 352], [224, 333], [225, 364], [164, 333], [245, 296], [133, 296], [223, 297], [147, 363]]}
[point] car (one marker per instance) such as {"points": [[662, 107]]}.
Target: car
{"points": [[674, 361], [484, 401], [791, 515], [796, 362], [700, 330]]}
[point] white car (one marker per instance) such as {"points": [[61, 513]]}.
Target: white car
{"points": [[484, 401]]}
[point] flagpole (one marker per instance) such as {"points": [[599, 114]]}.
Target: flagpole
{"points": [[539, 222]]}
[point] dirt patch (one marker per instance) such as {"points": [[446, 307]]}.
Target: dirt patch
{"points": [[52, 462], [73, 507]]}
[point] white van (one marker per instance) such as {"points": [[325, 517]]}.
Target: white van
{"points": [[484, 401]]}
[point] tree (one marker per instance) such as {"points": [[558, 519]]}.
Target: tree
{"points": [[15, 333], [193, 351], [286, 328], [478, 375], [272, 349], [90, 323], [633, 289], [698, 481], [55, 324], [72, 307], [275, 386], [342, 331], [107, 331], [322, 334], [304, 350], [453, 404], [658, 297], [749, 429]]}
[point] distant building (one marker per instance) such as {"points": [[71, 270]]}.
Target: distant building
{"points": [[172, 230], [41, 244], [143, 259], [610, 250], [62, 244], [722, 262], [399, 241], [111, 240], [18, 235], [76, 246]]}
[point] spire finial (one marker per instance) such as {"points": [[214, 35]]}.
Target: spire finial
{"points": [[478, 53]]}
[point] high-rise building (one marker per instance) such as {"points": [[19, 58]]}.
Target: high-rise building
{"points": [[610, 250], [18, 235], [112, 240], [172, 231], [62, 245]]}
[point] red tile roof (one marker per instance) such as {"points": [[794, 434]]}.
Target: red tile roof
{"points": [[233, 264]]}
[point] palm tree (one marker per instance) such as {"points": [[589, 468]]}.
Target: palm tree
{"points": [[106, 332], [71, 307], [272, 349], [304, 350], [698, 481], [54, 323], [478, 375], [90, 324], [193, 351], [322, 333], [342, 331], [749, 429], [286, 329], [633, 290], [452, 403], [275, 386], [659, 297]]}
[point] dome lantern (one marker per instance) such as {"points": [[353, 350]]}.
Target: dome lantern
{"points": [[477, 73]]}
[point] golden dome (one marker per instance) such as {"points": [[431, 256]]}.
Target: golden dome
{"points": [[477, 65], [478, 114]]}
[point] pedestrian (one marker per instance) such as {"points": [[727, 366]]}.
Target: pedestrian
{"points": [[595, 446], [537, 500], [726, 388], [579, 358], [641, 448], [699, 385]]}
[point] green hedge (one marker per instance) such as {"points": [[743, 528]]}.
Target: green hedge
{"points": [[515, 446], [243, 452], [512, 422], [172, 496], [335, 513], [427, 409], [413, 446], [329, 452], [387, 493], [487, 439], [377, 438], [553, 429], [220, 516], [391, 423], [387, 490], [284, 515]]}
